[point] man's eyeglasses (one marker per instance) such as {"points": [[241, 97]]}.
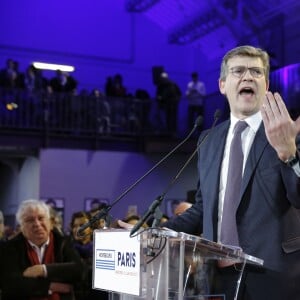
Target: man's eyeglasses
{"points": [[240, 71]]}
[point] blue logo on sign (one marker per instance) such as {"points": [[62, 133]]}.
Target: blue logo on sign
{"points": [[105, 259]]}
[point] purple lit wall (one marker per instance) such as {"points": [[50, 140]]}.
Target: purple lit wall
{"points": [[64, 28], [286, 81], [75, 175], [98, 37]]}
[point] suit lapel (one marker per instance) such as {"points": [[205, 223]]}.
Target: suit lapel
{"points": [[212, 157], [259, 144], [216, 163]]}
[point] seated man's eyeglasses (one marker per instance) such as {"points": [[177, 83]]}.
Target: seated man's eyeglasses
{"points": [[240, 71]]}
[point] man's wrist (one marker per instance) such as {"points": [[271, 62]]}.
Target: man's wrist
{"points": [[292, 160]]}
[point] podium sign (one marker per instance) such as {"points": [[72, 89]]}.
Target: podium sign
{"points": [[116, 262], [159, 264]]}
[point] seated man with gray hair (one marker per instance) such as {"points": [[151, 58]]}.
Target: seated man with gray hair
{"points": [[38, 263]]}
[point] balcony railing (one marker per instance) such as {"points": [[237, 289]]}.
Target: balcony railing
{"points": [[47, 118]]}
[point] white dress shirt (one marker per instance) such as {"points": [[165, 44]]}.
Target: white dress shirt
{"points": [[248, 135]]}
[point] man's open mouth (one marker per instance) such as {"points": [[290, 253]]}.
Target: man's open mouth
{"points": [[246, 91]]}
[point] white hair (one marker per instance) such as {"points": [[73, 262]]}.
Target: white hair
{"points": [[28, 205]]}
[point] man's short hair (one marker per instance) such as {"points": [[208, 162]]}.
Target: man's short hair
{"points": [[246, 51]]}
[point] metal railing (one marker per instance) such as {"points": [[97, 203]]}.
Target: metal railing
{"points": [[80, 114]]}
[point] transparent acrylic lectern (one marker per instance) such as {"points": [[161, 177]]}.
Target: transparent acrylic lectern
{"points": [[159, 264]]}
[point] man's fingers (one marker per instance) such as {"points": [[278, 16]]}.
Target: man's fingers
{"points": [[281, 105], [272, 104], [274, 109], [297, 122]]}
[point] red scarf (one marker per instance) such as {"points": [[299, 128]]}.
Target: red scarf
{"points": [[48, 259]]}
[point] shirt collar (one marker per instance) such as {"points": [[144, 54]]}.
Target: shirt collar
{"points": [[35, 246], [253, 121]]}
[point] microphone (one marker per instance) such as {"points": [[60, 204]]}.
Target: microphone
{"points": [[103, 212], [156, 203]]}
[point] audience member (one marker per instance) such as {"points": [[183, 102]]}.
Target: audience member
{"points": [[8, 75], [181, 208], [101, 111], [56, 220], [14, 231], [168, 95], [117, 87], [34, 80], [145, 103], [132, 115], [63, 83], [133, 219], [103, 222], [20, 76], [38, 263], [109, 86], [195, 94], [163, 219], [29, 79], [83, 244]]}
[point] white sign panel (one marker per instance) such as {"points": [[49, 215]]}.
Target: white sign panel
{"points": [[116, 262]]}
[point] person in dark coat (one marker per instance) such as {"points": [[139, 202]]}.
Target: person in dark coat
{"points": [[38, 263]]}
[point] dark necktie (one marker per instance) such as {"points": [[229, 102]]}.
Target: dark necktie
{"points": [[229, 235]]}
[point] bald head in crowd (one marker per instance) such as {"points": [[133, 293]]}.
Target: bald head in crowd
{"points": [[181, 208]]}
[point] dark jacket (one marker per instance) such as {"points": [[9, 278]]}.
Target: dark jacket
{"points": [[67, 268], [268, 218]]}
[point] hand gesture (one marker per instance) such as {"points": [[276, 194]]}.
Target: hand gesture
{"points": [[281, 130]]}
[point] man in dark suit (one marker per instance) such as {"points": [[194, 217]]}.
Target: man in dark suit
{"points": [[266, 218], [39, 263]]}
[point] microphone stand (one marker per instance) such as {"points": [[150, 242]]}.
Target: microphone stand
{"points": [[154, 208], [103, 212], [155, 205]]}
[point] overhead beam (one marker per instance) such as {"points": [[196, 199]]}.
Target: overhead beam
{"points": [[139, 5], [196, 28]]}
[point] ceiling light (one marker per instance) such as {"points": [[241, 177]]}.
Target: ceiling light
{"points": [[54, 67]]}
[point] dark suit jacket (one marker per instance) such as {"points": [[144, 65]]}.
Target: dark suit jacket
{"points": [[267, 219], [68, 268]]}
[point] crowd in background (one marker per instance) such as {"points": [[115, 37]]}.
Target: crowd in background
{"points": [[32, 218], [29, 99]]}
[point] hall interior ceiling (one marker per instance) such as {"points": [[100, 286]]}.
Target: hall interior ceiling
{"points": [[214, 26]]}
